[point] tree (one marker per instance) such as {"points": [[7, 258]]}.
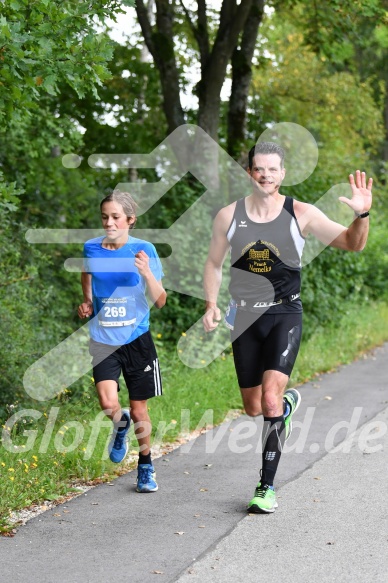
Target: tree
{"points": [[351, 36], [232, 42], [44, 44]]}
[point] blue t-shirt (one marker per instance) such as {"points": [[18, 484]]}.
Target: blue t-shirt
{"points": [[120, 307]]}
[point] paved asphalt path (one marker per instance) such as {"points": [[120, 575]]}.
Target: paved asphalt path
{"points": [[331, 523]]}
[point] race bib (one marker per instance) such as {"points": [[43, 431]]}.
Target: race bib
{"points": [[116, 311]]}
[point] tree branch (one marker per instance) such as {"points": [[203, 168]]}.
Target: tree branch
{"points": [[203, 34], [189, 20], [145, 24], [239, 17], [200, 32]]}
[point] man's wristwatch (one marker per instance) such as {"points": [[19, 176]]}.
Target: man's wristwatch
{"points": [[363, 215]]}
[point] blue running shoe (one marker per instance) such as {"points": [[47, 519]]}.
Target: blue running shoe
{"points": [[118, 445], [146, 478]]}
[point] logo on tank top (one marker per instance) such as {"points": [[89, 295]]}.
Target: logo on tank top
{"points": [[243, 224], [258, 256]]}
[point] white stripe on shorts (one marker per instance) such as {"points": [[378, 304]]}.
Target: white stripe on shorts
{"points": [[157, 379]]}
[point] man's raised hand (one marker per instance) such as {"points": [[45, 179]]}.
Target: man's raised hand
{"points": [[361, 200]]}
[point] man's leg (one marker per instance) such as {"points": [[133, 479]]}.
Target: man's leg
{"points": [[267, 399], [273, 437], [251, 399], [274, 384]]}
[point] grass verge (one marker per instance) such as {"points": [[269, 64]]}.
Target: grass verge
{"points": [[46, 451]]}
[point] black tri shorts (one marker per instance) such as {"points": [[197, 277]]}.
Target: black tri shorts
{"points": [[268, 342], [137, 361]]}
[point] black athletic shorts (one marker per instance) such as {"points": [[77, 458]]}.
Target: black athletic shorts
{"points": [[137, 361], [270, 342]]}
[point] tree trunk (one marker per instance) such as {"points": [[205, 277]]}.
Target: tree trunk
{"points": [[241, 80], [160, 43], [233, 19]]}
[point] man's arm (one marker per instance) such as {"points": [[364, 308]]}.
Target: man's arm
{"points": [[212, 278], [353, 238]]}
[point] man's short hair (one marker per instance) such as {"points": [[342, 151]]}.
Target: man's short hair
{"points": [[265, 148]]}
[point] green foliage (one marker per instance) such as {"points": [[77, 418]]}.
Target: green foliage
{"points": [[45, 43], [328, 283], [337, 108], [332, 28], [9, 198], [376, 262], [126, 116], [23, 310]]}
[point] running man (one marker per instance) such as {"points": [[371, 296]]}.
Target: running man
{"points": [[118, 272], [265, 233]]}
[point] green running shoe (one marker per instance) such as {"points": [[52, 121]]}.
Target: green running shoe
{"points": [[264, 500], [293, 398]]}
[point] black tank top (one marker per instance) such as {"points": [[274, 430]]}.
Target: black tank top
{"points": [[266, 257]]}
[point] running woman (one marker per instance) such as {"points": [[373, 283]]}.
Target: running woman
{"points": [[265, 233], [119, 270]]}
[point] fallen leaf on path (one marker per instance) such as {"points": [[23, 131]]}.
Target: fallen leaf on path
{"points": [[203, 490], [180, 532], [157, 572], [328, 398]]}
